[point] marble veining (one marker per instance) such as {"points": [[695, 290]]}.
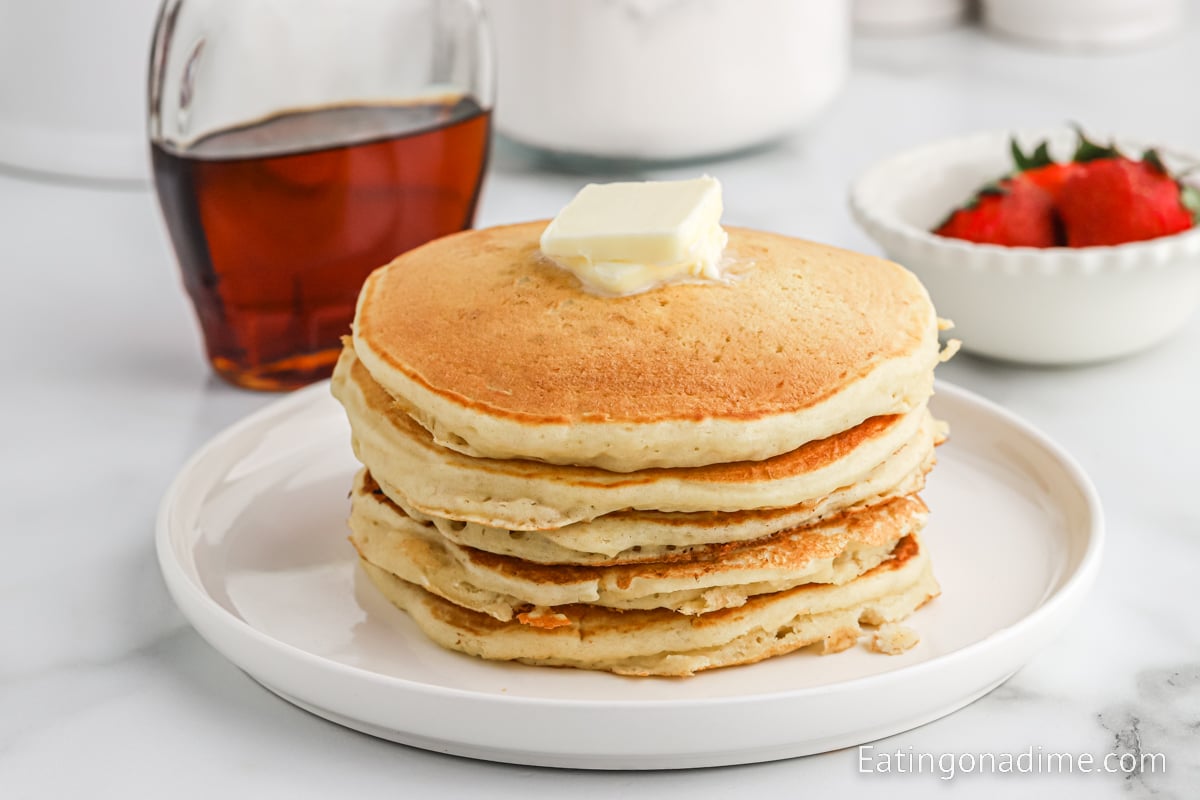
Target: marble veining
{"points": [[1163, 717]]}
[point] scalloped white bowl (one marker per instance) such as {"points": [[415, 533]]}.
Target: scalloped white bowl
{"points": [[1040, 306]]}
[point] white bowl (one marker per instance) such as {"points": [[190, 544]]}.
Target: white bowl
{"points": [[1085, 24], [1042, 306]]}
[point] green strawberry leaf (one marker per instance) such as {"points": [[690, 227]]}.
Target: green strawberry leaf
{"points": [[1189, 196], [1018, 157], [1088, 150], [988, 189], [1155, 161], [1040, 157]]}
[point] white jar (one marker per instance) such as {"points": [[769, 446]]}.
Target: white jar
{"points": [[1084, 23], [665, 79], [907, 16]]}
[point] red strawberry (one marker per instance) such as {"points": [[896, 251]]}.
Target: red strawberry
{"points": [[1015, 213], [1100, 197], [1040, 168], [1116, 200], [1050, 177]]}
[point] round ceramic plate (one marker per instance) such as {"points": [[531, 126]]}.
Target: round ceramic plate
{"points": [[252, 543]]}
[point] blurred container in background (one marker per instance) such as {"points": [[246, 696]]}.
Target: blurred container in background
{"points": [[73, 86], [908, 16], [665, 80], [1085, 23]]}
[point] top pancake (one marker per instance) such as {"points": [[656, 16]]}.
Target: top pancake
{"points": [[502, 354]]}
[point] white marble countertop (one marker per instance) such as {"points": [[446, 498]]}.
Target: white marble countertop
{"points": [[105, 692]]}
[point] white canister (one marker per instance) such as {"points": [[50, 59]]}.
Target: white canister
{"points": [[73, 86], [665, 79], [1084, 23]]}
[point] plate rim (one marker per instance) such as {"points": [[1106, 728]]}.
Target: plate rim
{"points": [[177, 579]]}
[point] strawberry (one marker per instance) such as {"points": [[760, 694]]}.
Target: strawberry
{"points": [[1050, 177], [1039, 168], [1100, 197], [1013, 213], [1114, 200]]}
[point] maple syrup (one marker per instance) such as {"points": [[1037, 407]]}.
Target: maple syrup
{"points": [[276, 224]]}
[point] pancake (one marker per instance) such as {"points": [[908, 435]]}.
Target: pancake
{"points": [[527, 495], [663, 642], [501, 355], [693, 477], [626, 537], [713, 577]]}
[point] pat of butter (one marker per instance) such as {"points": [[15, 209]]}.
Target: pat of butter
{"points": [[625, 238]]}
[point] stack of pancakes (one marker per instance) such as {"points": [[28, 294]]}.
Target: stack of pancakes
{"points": [[692, 477]]}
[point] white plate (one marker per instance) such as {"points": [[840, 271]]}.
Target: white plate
{"points": [[252, 543]]}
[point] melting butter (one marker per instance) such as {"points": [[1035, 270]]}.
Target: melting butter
{"points": [[626, 238]]}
